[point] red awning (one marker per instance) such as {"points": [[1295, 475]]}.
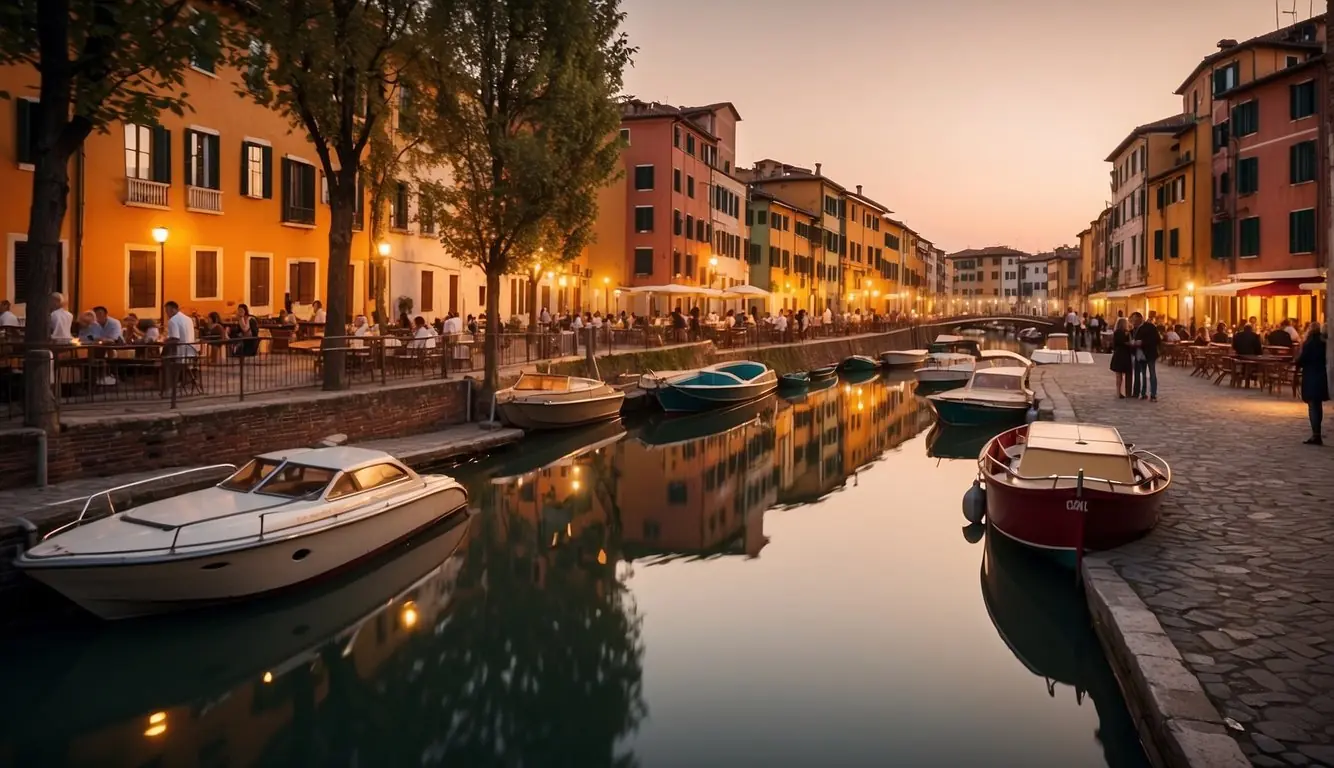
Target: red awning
{"points": [[1288, 286]]}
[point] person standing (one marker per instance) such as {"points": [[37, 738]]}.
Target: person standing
{"points": [[1145, 343], [1315, 380], [1121, 356], [1072, 327]]}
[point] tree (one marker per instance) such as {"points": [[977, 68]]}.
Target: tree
{"points": [[99, 62], [525, 93], [330, 66]]}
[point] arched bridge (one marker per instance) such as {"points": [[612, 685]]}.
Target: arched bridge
{"points": [[1009, 322]]}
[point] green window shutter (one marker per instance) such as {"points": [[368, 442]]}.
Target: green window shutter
{"points": [[1250, 236], [214, 161], [1174, 243], [26, 130], [245, 168], [266, 153], [286, 187], [187, 162], [161, 160], [308, 190], [1161, 196], [1158, 243], [1292, 101]]}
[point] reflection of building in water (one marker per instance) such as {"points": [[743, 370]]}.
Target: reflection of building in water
{"points": [[701, 496], [244, 724], [817, 460], [877, 417]]}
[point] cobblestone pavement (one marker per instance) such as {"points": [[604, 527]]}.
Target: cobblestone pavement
{"points": [[1240, 572]]}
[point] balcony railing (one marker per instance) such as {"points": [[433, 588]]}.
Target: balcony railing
{"points": [[146, 193], [203, 199]]}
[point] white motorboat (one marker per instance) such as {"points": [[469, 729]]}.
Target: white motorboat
{"points": [[1003, 357], [551, 401], [902, 358], [994, 395], [949, 361], [1057, 350], [282, 519]]}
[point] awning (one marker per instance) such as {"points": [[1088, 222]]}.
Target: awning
{"points": [[745, 290], [1232, 289], [1126, 293], [674, 289], [1100, 296], [1313, 287], [1286, 287]]}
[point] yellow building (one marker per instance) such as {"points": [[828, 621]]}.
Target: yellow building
{"points": [[1176, 219], [861, 264], [782, 254], [810, 191]]}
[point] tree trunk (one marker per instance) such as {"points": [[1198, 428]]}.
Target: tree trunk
{"points": [[342, 200], [1327, 125], [494, 329]]}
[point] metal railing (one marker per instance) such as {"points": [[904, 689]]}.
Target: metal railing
{"points": [[1158, 470], [111, 507]]}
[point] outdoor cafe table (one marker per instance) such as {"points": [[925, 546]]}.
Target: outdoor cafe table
{"points": [[1248, 365]]}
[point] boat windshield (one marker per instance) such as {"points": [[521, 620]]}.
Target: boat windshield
{"points": [[249, 477], [997, 381], [294, 481]]}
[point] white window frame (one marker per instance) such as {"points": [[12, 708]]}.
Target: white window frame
{"points": [[138, 129], [262, 309], [208, 132], [153, 312], [655, 177], [287, 277], [194, 257], [17, 304]]}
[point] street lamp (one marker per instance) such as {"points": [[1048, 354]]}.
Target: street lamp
{"points": [[606, 294], [160, 237], [383, 249]]}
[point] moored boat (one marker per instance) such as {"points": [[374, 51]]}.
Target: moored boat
{"points": [[717, 386], [551, 401], [902, 358], [1031, 335], [283, 519], [996, 395], [1057, 350], [858, 364], [1067, 488], [663, 431], [823, 372], [794, 381]]}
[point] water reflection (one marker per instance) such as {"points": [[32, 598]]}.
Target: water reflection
{"points": [[795, 575]]}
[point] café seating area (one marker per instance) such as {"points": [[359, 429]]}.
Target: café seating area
{"points": [[1274, 371]]}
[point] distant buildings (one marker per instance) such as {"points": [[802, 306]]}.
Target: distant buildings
{"points": [[1216, 213]]}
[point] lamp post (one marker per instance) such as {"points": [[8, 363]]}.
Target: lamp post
{"points": [[606, 294], [383, 250], [160, 235], [1190, 300], [713, 269]]}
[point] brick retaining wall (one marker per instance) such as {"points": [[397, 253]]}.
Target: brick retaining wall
{"points": [[229, 432]]}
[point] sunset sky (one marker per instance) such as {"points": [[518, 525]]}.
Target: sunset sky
{"points": [[978, 122]]}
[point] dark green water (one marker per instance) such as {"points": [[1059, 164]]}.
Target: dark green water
{"points": [[788, 585]]}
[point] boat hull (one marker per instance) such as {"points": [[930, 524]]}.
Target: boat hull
{"points": [[138, 588], [825, 373], [978, 414], [858, 364], [679, 399], [903, 359], [561, 414], [943, 377]]}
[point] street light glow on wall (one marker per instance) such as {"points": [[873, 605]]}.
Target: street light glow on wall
{"points": [[383, 248], [160, 235]]}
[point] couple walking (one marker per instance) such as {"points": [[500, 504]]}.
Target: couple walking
{"points": [[1135, 355]]}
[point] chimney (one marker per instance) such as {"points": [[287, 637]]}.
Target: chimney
{"points": [[859, 189], [817, 169], [1226, 43]]}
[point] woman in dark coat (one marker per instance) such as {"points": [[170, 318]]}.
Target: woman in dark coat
{"points": [[1312, 363], [1121, 356]]}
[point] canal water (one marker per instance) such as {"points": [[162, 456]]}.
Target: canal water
{"points": [[788, 584]]}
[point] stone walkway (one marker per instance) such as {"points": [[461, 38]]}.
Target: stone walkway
{"points": [[1240, 572]]}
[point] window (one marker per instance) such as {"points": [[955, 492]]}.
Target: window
{"points": [[259, 279], [378, 475], [643, 261], [1302, 163], [256, 170], [1293, 61], [625, 136], [643, 177], [1249, 236], [690, 144], [425, 214], [142, 278], [643, 218], [676, 137], [427, 293], [1301, 100], [22, 262], [1226, 78], [298, 192], [1221, 135], [1246, 118], [676, 180], [690, 186], [676, 222], [407, 109], [676, 495], [301, 281], [203, 29], [1222, 239], [398, 206], [699, 231], [148, 153], [1248, 175], [1157, 245], [690, 227], [1301, 231], [258, 65], [1173, 244], [206, 269], [201, 159]]}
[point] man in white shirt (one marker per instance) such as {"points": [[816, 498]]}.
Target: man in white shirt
{"points": [[453, 325], [108, 328], [7, 318], [780, 323], [1288, 326], [1072, 327], [319, 316], [61, 320], [180, 333]]}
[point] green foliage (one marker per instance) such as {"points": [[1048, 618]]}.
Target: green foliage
{"points": [[525, 96], [125, 60]]}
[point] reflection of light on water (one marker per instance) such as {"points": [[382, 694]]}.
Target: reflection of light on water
{"points": [[574, 484], [409, 615], [157, 724], [268, 677], [602, 557]]}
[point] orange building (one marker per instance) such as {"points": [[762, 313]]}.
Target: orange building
{"points": [[238, 190]]}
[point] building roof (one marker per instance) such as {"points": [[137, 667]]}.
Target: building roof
{"points": [[761, 194], [1177, 166], [1281, 74], [869, 201], [1165, 125], [1289, 37], [713, 108], [797, 177], [634, 109], [991, 250]]}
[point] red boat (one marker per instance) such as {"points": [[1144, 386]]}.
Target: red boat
{"points": [[1070, 488]]}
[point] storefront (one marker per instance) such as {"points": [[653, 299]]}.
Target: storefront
{"points": [[1269, 297]]}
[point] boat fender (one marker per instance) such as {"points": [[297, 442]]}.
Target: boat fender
{"points": [[1032, 414], [974, 503]]}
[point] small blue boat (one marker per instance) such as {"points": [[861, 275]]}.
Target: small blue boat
{"points": [[824, 372], [717, 386], [858, 364], [791, 382], [994, 396]]}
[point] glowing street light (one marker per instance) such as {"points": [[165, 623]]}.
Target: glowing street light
{"points": [[160, 235], [383, 248]]}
